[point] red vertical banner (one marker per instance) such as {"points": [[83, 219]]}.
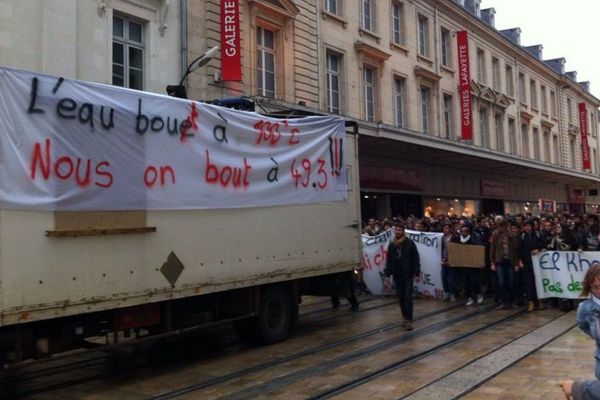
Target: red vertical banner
{"points": [[583, 130], [464, 76], [231, 60]]}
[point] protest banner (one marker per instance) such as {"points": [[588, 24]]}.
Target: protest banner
{"points": [[429, 246], [466, 255], [72, 145], [560, 273]]}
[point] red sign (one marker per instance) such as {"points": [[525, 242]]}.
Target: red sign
{"points": [[231, 60], [464, 76], [492, 189], [576, 195], [390, 178], [583, 130], [547, 205]]}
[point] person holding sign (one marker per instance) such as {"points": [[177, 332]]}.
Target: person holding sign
{"points": [[470, 277], [504, 258], [588, 312], [404, 265]]}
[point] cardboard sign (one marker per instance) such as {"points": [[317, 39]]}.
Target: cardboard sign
{"points": [[466, 255]]}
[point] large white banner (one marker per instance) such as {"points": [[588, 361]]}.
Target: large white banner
{"points": [[71, 145], [429, 246], [561, 273]]}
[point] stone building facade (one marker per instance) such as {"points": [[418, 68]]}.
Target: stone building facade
{"points": [[391, 66]]}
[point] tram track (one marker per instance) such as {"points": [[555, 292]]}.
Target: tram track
{"points": [[100, 366], [382, 371]]}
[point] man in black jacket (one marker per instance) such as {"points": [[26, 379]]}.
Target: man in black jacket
{"points": [[530, 243], [404, 264]]}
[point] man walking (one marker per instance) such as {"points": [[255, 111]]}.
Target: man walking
{"points": [[404, 265], [504, 258]]}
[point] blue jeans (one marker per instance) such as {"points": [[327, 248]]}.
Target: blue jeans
{"points": [[449, 281], [506, 279]]}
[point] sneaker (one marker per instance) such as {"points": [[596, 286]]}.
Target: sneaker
{"points": [[409, 326], [452, 298], [469, 302], [530, 306], [479, 298]]}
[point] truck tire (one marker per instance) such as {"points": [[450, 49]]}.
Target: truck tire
{"points": [[275, 315]]}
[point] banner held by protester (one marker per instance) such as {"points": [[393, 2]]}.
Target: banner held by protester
{"points": [[560, 273], [429, 246]]}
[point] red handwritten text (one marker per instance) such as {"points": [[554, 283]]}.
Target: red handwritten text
{"points": [[67, 167]]}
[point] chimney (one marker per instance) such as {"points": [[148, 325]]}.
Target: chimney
{"points": [[572, 75], [585, 85], [557, 64], [488, 16], [535, 50], [514, 35]]}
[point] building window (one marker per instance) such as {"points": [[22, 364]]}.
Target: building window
{"points": [[333, 82], [544, 99], [547, 146], [499, 125], [484, 128], [522, 94], [536, 144], [369, 92], [572, 149], [397, 23], [480, 66], [592, 127], [448, 116], [399, 93], [594, 162], [533, 87], [128, 53], [333, 6], [265, 62], [425, 94], [423, 35], [570, 110], [368, 15], [512, 136], [555, 150], [510, 88], [446, 48], [553, 102], [495, 73], [525, 137]]}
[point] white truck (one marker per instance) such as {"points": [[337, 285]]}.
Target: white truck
{"points": [[71, 270]]}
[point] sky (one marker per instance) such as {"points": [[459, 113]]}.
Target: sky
{"points": [[568, 29]]}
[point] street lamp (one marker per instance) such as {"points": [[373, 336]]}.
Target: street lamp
{"points": [[202, 60]]}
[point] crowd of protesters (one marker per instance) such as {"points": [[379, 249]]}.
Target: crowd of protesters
{"points": [[509, 241]]}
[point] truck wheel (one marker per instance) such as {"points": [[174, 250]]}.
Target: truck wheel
{"points": [[275, 315]]}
